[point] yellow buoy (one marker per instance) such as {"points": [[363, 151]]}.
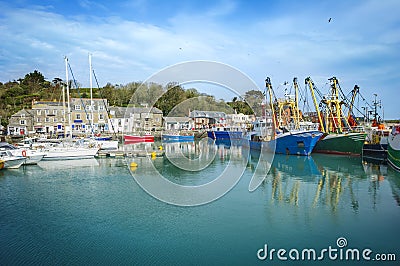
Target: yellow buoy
{"points": [[160, 148], [133, 164]]}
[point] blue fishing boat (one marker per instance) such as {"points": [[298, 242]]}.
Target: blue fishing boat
{"points": [[301, 142], [177, 137], [284, 132], [220, 133]]}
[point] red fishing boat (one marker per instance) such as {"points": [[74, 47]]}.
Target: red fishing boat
{"points": [[138, 138]]}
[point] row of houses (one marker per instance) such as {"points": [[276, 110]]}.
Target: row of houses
{"points": [[86, 116]]}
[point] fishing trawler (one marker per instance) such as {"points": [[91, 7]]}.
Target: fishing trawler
{"points": [[341, 134], [376, 145], [284, 133]]}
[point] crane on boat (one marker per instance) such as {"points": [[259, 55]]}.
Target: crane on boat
{"points": [[350, 118], [331, 119], [311, 85]]}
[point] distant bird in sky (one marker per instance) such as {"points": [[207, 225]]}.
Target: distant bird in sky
{"points": [[329, 20]]}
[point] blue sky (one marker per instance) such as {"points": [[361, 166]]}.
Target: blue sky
{"points": [[132, 40]]}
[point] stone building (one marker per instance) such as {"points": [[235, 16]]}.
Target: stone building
{"points": [[135, 119], [207, 119], [177, 123], [81, 115], [21, 123], [48, 117]]}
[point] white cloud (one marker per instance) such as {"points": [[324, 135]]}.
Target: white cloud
{"points": [[353, 46]]}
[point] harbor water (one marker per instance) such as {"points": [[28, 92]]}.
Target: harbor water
{"points": [[93, 211]]}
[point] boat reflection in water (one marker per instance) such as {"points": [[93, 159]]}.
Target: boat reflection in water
{"points": [[326, 181], [191, 173], [68, 164], [330, 182]]}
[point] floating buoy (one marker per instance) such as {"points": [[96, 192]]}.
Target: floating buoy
{"points": [[24, 153], [160, 148], [134, 165]]}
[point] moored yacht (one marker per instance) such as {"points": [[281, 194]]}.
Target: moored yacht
{"points": [[7, 160]]}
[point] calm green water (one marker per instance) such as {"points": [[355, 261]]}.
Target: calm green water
{"points": [[94, 212]]}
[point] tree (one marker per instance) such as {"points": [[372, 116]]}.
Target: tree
{"points": [[174, 95], [254, 99]]}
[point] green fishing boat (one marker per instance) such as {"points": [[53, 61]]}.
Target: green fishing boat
{"points": [[341, 133], [394, 148], [345, 144]]}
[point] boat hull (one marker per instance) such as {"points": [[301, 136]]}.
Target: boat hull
{"points": [[69, 154], [376, 152], [216, 135], [341, 144], [107, 144], [177, 138], [13, 163], [137, 138], [291, 143], [34, 158], [393, 153]]}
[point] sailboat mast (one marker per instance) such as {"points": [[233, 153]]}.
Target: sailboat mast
{"points": [[68, 101], [63, 102], [91, 92]]}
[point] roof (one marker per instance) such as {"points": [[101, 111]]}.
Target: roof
{"points": [[27, 112], [176, 119], [207, 114], [119, 112]]}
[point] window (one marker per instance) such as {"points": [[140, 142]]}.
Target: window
{"points": [[54, 112], [39, 112], [22, 115], [38, 119], [101, 116], [77, 107], [88, 117], [46, 111], [88, 107], [47, 119], [78, 116], [101, 107], [22, 122], [54, 119]]}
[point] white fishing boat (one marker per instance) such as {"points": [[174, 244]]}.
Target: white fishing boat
{"points": [[10, 161], [31, 156]]}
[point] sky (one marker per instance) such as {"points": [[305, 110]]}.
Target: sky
{"points": [[356, 41]]}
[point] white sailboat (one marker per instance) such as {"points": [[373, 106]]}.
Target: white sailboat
{"points": [[101, 143], [67, 150]]}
